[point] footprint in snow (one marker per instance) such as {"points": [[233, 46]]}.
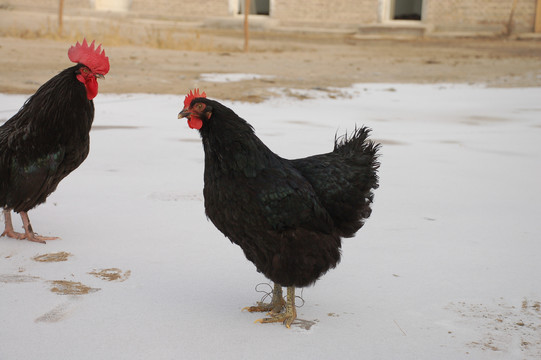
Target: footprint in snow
{"points": [[111, 274], [52, 257], [58, 313]]}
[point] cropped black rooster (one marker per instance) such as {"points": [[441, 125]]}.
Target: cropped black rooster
{"points": [[288, 216], [49, 137]]}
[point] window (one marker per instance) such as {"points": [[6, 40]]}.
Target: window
{"points": [[406, 9], [257, 7]]}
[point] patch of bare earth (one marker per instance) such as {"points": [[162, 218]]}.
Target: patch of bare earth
{"points": [[65, 287], [111, 274], [287, 64], [16, 278], [52, 257], [502, 327]]}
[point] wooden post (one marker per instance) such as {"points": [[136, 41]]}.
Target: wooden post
{"points": [[246, 24], [538, 17], [509, 27], [60, 16]]}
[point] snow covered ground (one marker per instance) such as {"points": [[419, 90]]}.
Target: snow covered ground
{"points": [[447, 267], [231, 77]]}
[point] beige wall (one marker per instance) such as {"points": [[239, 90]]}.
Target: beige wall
{"points": [[318, 12], [187, 9], [47, 5], [440, 15], [443, 15], [478, 15]]}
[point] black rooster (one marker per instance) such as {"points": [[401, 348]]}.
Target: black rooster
{"points": [[288, 216], [49, 137]]}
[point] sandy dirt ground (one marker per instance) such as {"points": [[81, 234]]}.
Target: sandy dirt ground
{"points": [[303, 62]]}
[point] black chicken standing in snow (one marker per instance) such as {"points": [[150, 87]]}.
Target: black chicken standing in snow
{"points": [[49, 137], [288, 216]]}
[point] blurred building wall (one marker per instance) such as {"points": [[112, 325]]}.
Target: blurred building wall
{"points": [[437, 15], [326, 13], [479, 15]]}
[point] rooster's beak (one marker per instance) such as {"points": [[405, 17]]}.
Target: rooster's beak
{"points": [[99, 76], [184, 114]]}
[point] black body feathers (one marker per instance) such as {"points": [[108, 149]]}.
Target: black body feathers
{"points": [[46, 140], [288, 216]]}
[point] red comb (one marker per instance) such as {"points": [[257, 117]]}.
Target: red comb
{"points": [[192, 95], [94, 59]]}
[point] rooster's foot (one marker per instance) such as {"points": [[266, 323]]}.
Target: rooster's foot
{"points": [[288, 316], [12, 234], [38, 238], [274, 307], [285, 318], [263, 307], [28, 236]]}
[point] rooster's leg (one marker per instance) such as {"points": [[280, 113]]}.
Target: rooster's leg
{"points": [[8, 231], [289, 315], [29, 233], [274, 307]]}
